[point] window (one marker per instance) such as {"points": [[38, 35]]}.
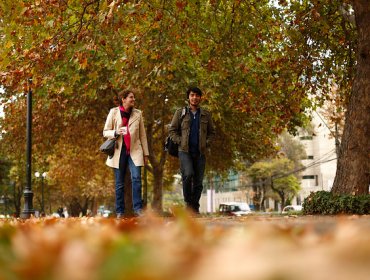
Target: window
{"points": [[305, 137], [309, 157], [299, 200], [311, 177]]}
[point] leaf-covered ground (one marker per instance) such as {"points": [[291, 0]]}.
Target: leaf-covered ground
{"points": [[218, 248]]}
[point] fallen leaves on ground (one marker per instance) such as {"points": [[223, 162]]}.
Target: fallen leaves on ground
{"points": [[184, 247]]}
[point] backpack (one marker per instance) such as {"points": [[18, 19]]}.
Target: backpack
{"points": [[170, 146]]}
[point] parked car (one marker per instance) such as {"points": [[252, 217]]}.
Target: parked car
{"points": [[104, 212], [292, 208], [234, 209]]}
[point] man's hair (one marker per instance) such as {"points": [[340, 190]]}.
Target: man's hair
{"points": [[196, 90]]}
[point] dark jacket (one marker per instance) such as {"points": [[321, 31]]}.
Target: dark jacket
{"points": [[179, 129]]}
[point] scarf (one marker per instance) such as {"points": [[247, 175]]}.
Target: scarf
{"points": [[125, 118]]}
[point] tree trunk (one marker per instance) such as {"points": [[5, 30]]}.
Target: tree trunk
{"points": [[74, 207], [282, 198], [257, 197], [85, 206], [279, 193], [263, 207], [157, 202], [352, 176], [157, 157]]}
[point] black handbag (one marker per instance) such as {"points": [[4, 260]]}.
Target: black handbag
{"points": [[171, 147], [108, 147]]}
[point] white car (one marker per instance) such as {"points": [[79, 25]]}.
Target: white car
{"points": [[234, 208], [106, 213], [292, 208]]}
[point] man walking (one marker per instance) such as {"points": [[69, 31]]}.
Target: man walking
{"points": [[192, 128]]}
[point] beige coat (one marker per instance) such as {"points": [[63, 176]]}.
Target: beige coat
{"points": [[138, 144]]}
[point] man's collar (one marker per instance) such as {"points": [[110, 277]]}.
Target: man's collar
{"points": [[189, 108]]}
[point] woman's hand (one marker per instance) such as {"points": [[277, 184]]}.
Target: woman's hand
{"points": [[146, 160]]}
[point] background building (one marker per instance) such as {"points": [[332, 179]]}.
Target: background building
{"points": [[320, 167], [321, 162]]}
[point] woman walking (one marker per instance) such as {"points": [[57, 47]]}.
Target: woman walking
{"points": [[126, 123]]}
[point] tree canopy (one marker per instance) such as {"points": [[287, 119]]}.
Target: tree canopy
{"points": [[260, 66]]}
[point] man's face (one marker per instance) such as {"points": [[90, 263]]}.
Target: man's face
{"points": [[194, 99]]}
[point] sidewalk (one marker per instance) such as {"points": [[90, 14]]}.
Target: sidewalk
{"points": [[256, 247]]}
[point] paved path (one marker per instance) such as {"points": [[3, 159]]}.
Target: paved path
{"points": [[321, 224]]}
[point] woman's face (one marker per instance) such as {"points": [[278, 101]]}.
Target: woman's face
{"points": [[129, 101]]}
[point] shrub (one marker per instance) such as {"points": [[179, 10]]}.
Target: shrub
{"points": [[326, 203]]}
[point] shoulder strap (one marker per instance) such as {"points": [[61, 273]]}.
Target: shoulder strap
{"points": [[183, 113]]}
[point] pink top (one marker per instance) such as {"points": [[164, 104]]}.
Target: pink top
{"points": [[126, 137]]}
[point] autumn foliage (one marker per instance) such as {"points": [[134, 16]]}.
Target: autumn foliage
{"points": [[261, 66], [80, 53]]}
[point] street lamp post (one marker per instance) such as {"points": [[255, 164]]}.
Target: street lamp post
{"points": [[42, 176], [28, 194]]}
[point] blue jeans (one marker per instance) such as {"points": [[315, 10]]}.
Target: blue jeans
{"points": [[119, 175], [192, 172]]}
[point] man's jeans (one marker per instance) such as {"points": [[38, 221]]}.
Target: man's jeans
{"points": [[192, 171], [119, 175]]}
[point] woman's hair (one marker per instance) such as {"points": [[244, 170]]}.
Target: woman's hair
{"points": [[117, 99]]}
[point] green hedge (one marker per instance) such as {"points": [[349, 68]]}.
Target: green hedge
{"points": [[326, 203]]}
